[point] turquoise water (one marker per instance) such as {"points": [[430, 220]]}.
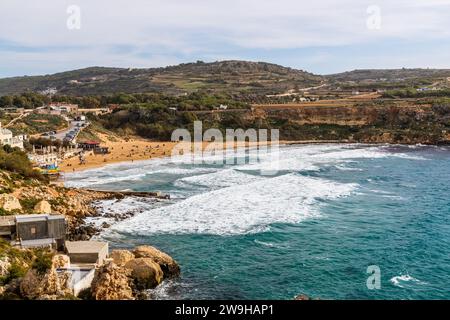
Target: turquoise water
{"points": [[313, 228]]}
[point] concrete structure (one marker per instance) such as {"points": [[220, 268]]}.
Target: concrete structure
{"points": [[86, 253], [89, 145], [66, 108], [7, 226], [36, 230], [7, 138], [81, 278]]}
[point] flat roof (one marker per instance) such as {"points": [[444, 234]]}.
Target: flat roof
{"points": [[37, 242], [85, 246], [38, 217]]}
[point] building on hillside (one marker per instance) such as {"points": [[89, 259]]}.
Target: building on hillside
{"points": [[84, 253], [89, 145], [44, 159], [7, 138], [67, 108], [35, 230], [13, 110]]}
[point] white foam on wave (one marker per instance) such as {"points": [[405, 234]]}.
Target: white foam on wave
{"points": [[403, 280], [220, 179], [312, 157], [292, 158], [240, 209], [109, 175]]}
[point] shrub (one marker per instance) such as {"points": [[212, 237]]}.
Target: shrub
{"points": [[16, 161], [43, 261]]}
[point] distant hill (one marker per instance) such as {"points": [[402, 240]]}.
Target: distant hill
{"points": [[389, 75], [229, 76]]}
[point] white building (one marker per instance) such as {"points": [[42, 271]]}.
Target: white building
{"points": [[7, 138]]}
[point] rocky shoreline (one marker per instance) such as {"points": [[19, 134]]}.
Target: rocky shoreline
{"points": [[80, 230]]}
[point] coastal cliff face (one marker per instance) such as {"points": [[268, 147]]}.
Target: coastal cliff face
{"points": [[374, 121]]}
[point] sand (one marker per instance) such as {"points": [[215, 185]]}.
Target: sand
{"points": [[134, 149]]}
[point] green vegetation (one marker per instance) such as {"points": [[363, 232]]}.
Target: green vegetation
{"points": [[221, 76], [38, 123], [17, 162], [20, 260], [28, 204], [42, 261], [413, 93], [28, 100]]}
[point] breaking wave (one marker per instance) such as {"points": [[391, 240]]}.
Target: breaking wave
{"points": [[240, 209]]}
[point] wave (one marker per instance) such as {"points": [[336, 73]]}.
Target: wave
{"points": [[219, 179], [240, 209], [404, 280]]}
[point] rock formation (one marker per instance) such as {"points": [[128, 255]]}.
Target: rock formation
{"points": [[112, 282], [43, 207], [51, 284], [4, 266], [9, 202], [121, 257], [168, 265], [146, 273]]}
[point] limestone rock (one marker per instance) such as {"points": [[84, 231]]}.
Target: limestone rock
{"points": [[146, 273], [52, 283], [111, 282], [121, 257], [302, 297], [168, 265], [4, 266], [43, 207], [9, 202], [60, 261], [30, 285]]}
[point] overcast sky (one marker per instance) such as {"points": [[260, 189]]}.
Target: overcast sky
{"points": [[321, 36]]}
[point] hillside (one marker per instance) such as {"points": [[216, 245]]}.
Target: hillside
{"points": [[229, 76], [389, 75]]}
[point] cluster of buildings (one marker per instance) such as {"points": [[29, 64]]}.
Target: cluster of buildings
{"points": [[49, 231], [59, 109], [7, 138]]}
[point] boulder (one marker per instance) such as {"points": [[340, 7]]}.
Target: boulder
{"points": [[60, 261], [30, 285], [4, 266], [9, 202], [168, 265], [43, 207], [302, 297], [121, 257], [146, 273], [111, 282]]}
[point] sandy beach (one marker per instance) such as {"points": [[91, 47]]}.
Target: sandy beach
{"points": [[135, 149]]}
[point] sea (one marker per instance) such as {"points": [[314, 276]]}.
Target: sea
{"points": [[331, 221]]}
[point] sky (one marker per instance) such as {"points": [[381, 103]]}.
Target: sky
{"points": [[320, 36]]}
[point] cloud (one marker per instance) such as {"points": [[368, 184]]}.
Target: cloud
{"points": [[145, 32]]}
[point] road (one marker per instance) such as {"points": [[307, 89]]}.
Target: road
{"points": [[60, 135]]}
